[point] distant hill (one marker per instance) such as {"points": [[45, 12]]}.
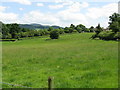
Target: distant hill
{"points": [[37, 26]]}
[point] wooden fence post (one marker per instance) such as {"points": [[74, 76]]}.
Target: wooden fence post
{"points": [[50, 83]]}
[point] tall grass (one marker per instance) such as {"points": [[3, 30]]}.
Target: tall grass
{"points": [[74, 60]]}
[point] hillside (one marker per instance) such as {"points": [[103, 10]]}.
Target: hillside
{"points": [[37, 26]]}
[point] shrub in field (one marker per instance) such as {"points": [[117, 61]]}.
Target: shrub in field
{"points": [[79, 29], [66, 30], [75, 31], [8, 36], [117, 36], [61, 31], [98, 29], [46, 32], [30, 33], [106, 35], [54, 34], [94, 36], [17, 35], [36, 33], [24, 34], [91, 29]]}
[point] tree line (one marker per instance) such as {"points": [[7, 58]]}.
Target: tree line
{"points": [[14, 31], [113, 33]]}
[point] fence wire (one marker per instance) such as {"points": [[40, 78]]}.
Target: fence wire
{"points": [[14, 85]]}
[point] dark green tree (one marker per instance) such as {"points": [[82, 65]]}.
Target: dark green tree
{"points": [[91, 29], [114, 23], [98, 29], [50, 28], [72, 26], [82, 27], [54, 34], [14, 28]]}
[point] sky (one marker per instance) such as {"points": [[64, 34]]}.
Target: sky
{"points": [[58, 12]]}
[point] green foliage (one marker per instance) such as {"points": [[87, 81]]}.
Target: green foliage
{"points": [[91, 29], [14, 28], [8, 36], [61, 31], [79, 29], [36, 33], [66, 30], [75, 31], [83, 28], [117, 36], [98, 29], [5, 29], [46, 32], [94, 36], [17, 35], [87, 30], [72, 26], [112, 34], [106, 35], [50, 28], [24, 30], [70, 30], [115, 26], [31, 33], [114, 23], [24, 34], [54, 34]]}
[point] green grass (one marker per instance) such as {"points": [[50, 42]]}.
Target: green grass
{"points": [[74, 60]]}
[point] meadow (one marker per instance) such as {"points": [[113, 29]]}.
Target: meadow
{"points": [[74, 60]]}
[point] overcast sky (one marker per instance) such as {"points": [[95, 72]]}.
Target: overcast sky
{"points": [[58, 12]]}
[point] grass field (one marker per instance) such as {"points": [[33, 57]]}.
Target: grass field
{"points": [[74, 60]]}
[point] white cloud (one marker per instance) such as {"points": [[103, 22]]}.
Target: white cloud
{"points": [[72, 14], [2, 8], [103, 11], [8, 17], [39, 17], [25, 2], [101, 14], [63, 18], [21, 9], [40, 4], [56, 6]]}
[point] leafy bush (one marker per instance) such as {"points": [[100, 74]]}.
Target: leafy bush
{"points": [[46, 32], [17, 35], [75, 31], [117, 36], [36, 33], [61, 31], [94, 36], [54, 34], [31, 33], [24, 34], [8, 36], [66, 31], [106, 35]]}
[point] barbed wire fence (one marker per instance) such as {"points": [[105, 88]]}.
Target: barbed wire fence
{"points": [[14, 85], [50, 84]]}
